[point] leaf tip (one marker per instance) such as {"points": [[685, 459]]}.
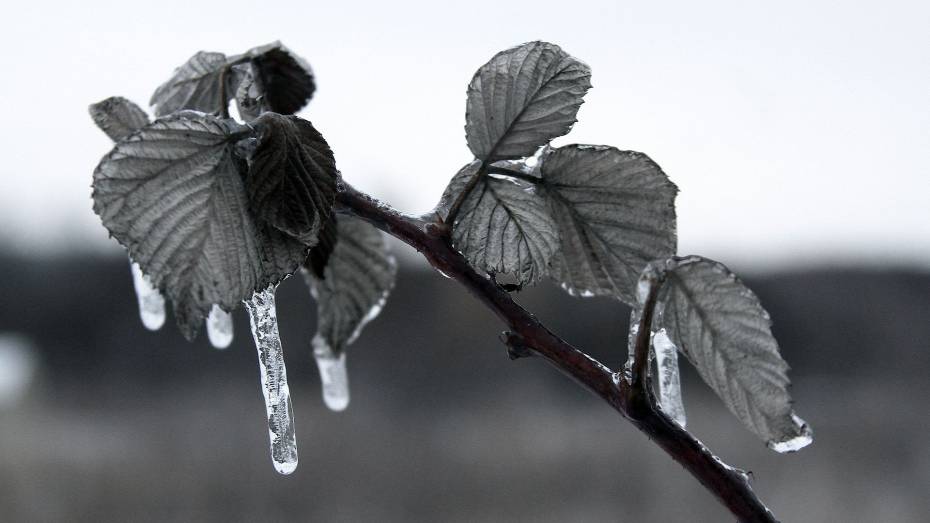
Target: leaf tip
{"points": [[804, 436]]}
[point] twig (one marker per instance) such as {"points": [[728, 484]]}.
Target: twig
{"points": [[637, 404]]}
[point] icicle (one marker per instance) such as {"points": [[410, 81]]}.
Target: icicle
{"points": [[264, 321], [635, 315], [151, 302], [666, 354], [333, 375], [219, 327]]}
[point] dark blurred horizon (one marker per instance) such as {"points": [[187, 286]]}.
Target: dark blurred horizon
{"points": [[124, 424]]}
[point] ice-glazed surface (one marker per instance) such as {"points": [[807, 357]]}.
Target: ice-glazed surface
{"points": [[263, 318], [151, 302], [219, 328], [669, 380], [333, 375]]}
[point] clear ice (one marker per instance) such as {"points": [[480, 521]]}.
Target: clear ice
{"points": [[264, 321], [219, 327], [669, 380], [151, 302], [333, 375], [804, 438]]}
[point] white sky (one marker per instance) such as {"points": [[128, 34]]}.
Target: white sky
{"points": [[797, 131]]}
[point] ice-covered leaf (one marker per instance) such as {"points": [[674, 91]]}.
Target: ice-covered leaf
{"points": [[173, 194], [278, 80], [354, 286], [503, 226], [616, 213], [523, 98], [118, 117], [350, 292], [292, 177], [200, 84], [720, 326]]}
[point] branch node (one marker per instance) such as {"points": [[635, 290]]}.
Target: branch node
{"points": [[516, 345]]}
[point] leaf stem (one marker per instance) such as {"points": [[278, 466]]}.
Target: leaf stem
{"points": [[728, 484], [639, 371]]}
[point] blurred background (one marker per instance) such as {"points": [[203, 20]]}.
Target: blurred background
{"points": [[797, 132]]}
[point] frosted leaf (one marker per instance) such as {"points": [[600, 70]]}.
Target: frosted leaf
{"points": [[196, 85], [351, 292], [456, 186], [333, 375], [523, 98], [615, 212], [278, 80], [264, 322], [500, 227], [151, 302], [720, 326], [219, 327], [666, 354], [118, 117], [173, 194]]}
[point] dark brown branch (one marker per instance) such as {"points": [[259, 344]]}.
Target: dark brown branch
{"points": [[729, 485]]}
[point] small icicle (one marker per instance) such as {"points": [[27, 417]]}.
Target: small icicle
{"points": [[333, 375], [804, 437], [219, 327], [635, 315], [151, 302], [264, 321], [669, 380]]}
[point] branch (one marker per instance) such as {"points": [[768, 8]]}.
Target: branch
{"points": [[527, 336]]}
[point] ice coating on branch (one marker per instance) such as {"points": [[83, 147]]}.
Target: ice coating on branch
{"points": [[333, 375], [805, 438], [219, 327], [666, 354], [264, 321], [151, 302]]}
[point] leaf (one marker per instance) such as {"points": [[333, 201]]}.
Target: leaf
{"points": [[323, 250], [173, 194], [720, 326], [616, 213], [502, 226], [118, 117], [249, 94], [200, 84], [292, 177], [356, 283], [275, 80], [523, 98], [280, 80]]}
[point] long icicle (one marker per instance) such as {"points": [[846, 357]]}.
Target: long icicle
{"points": [[151, 302], [333, 375], [263, 318], [669, 379], [219, 327]]}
